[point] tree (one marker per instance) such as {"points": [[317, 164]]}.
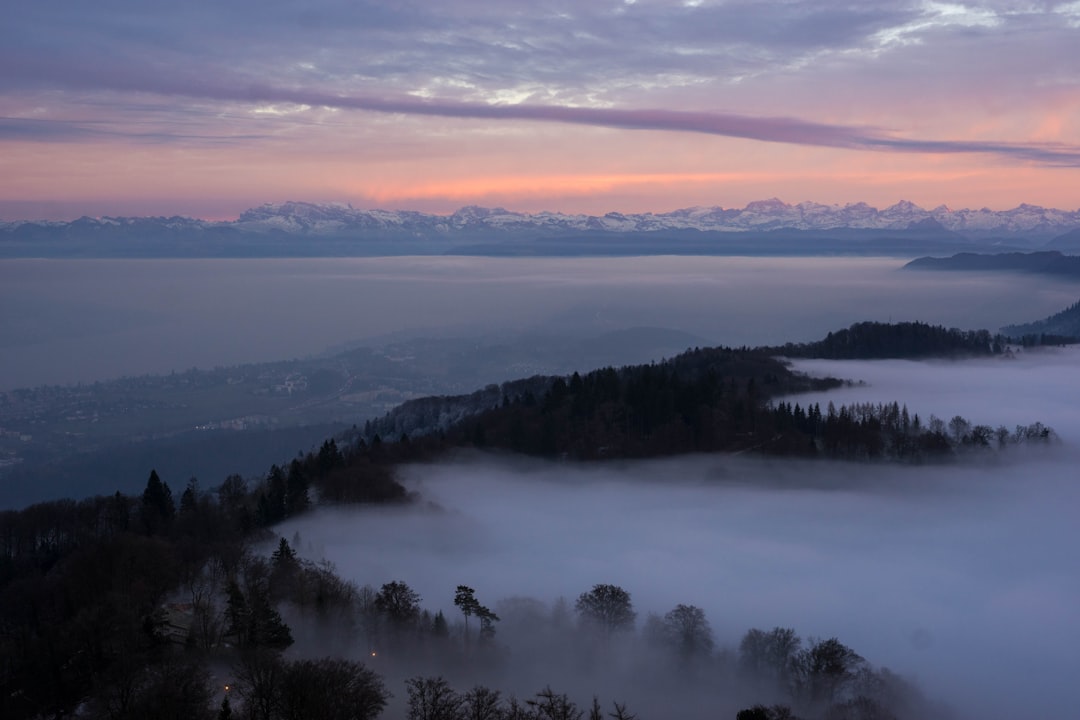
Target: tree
{"points": [[439, 626], [482, 703], [259, 683], [170, 689], [959, 427], [687, 630], [547, 705], [284, 554], [251, 616], [432, 698], [824, 668], [606, 607], [465, 600], [296, 489], [330, 689], [189, 498], [760, 712], [768, 656], [487, 623], [233, 497], [157, 507], [399, 604]]}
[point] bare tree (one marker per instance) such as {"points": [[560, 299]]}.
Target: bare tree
{"points": [[482, 703], [432, 698]]}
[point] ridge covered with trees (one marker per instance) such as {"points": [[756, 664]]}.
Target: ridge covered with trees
{"points": [[1059, 329], [705, 400], [1044, 262], [876, 341]]}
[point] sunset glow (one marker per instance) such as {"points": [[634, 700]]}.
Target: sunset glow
{"points": [[592, 107]]}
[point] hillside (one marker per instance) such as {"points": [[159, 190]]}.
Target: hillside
{"points": [[705, 400], [237, 419], [876, 341], [1042, 263], [1059, 327]]}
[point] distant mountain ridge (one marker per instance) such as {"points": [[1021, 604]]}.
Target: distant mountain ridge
{"points": [[301, 228], [1049, 262]]}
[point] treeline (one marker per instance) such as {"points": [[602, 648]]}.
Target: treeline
{"points": [[887, 431], [702, 400], [83, 583], [148, 620], [715, 400], [876, 340]]}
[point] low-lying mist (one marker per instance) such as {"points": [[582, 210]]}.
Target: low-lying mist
{"points": [[961, 576], [64, 321]]}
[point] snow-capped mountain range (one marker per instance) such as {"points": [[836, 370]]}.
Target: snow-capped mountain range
{"points": [[1026, 226], [761, 215]]}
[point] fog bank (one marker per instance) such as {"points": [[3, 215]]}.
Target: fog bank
{"points": [[64, 321], [962, 575]]}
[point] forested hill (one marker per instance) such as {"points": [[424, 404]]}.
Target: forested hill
{"points": [[1063, 326], [875, 341], [863, 341], [705, 400], [1043, 263]]}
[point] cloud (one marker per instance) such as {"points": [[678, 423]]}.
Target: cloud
{"points": [[760, 128], [49, 130], [816, 75]]}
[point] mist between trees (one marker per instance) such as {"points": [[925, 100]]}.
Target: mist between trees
{"points": [[149, 610], [119, 606]]}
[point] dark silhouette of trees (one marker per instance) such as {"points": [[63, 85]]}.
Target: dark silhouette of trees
{"points": [[606, 608], [549, 705], [768, 658], [824, 668], [399, 604], [157, 509], [482, 703], [687, 631], [173, 688], [761, 712], [330, 689], [432, 698], [465, 600], [252, 619], [876, 340]]}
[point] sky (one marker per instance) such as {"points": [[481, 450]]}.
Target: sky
{"points": [[207, 108]]}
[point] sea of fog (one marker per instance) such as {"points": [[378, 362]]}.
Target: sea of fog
{"points": [[964, 576], [65, 321]]}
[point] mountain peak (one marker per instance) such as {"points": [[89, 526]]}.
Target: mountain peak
{"points": [[772, 204]]}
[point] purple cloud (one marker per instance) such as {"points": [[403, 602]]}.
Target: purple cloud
{"points": [[761, 128]]}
